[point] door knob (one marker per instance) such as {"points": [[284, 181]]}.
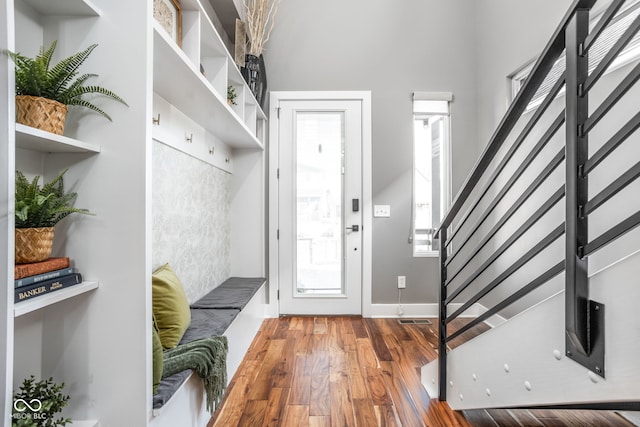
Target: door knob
{"points": [[354, 228]]}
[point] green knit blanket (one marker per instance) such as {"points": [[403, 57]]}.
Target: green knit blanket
{"points": [[208, 358]]}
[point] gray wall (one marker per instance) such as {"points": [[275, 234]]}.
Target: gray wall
{"points": [[391, 50], [509, 33], [465, 47]]}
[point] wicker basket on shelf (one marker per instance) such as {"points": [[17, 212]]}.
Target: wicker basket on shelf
{"points": [[41, 113], [33, 244]]}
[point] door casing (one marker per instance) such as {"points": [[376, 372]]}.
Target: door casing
{"points": [[367, 203]]}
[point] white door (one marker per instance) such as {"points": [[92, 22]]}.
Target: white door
{"points": [[320, 206]]}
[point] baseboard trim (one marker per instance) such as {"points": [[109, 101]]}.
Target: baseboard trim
{"points": [[431, 310]]}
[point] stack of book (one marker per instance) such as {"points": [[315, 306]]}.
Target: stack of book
{"points": [[39, 278]]}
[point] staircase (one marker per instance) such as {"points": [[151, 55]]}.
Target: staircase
{"points": [[544, 233]]}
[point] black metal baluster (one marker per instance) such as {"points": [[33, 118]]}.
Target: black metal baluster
{"points": [[442, 320]]}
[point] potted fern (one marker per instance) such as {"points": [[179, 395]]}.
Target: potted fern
{"points": [[44, 92], [38, 210]]}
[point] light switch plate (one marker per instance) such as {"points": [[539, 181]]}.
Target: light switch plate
{"points": [[381, 211]]}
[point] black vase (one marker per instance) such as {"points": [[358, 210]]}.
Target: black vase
{"points": [[255, 75]]}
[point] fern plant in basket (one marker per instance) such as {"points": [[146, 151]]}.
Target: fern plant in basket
{"points": [[43, 92], [38, 210]]}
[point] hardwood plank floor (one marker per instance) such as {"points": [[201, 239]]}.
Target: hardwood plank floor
{"points": [[350, 371]]}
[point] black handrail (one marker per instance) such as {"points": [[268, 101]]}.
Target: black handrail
{"points": [[541, 68], [612, 55], [602, 23], [584, 344], [537, 182], [621, 136], [505, 160], [551, 131], [524, 291]]}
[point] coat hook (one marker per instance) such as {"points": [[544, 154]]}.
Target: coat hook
{"points": [[156, 120], [189, 137], [211, 150], [226, 160]]}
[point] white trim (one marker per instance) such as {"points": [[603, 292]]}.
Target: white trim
{"points": [[273, 148], [367, 205], [367, 185], [433, 96], [431, 310], [427, 254]]}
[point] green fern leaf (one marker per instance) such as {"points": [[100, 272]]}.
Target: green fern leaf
{"points": [[62, 82]]}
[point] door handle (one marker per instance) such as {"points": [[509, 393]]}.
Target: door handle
{"points": [[354, 228]]}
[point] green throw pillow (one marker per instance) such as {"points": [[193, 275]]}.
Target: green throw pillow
{"points": [[170, 306], [157, 359]]}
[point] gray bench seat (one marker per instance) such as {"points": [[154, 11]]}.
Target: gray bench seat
{"points": [[211, 315]]}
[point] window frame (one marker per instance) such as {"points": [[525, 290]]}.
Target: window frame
{"points": [[630, 54], [445, 161]]}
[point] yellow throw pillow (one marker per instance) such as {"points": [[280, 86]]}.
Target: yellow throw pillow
{"points": [[170, 306]]}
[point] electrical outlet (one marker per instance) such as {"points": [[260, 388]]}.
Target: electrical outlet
{"points": [[402, 282]]}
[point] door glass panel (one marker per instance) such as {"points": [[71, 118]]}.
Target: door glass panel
{"points": [[319, 195]]}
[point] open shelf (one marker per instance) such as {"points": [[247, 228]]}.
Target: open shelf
{"points": [[64, 7], [48, 299], [38, 140], [176, 79]]}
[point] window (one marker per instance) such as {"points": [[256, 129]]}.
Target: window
{"points": [[600, 48], [431, 165]]}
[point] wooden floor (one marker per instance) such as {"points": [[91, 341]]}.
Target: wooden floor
{"points": [[350, 371]]}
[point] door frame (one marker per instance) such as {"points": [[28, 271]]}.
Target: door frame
{"points": [[273, 148]]}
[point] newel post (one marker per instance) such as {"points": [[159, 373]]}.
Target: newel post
{"points": [[584, 319]]}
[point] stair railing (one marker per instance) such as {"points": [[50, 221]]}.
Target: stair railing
{"points": [[584, 319]]}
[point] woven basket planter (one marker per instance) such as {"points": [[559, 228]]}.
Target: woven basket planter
{"points": [[41, 113], [33, 244]]}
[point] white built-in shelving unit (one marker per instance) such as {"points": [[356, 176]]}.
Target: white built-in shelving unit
{"points": [[46, 300], [64, 7], [191, 114], [33, 139], [95, 336]]}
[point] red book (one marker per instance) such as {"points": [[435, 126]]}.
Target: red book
{"points": [[51, 264]]}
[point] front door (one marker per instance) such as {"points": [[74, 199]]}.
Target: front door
{"points": [[320, 206]]}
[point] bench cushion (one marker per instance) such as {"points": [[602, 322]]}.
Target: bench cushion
{"points": [[210, 316], [234, 293], [204, 324], [208, 323]]}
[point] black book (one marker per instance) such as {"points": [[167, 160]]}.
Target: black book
{"points": [[30, 280], [26, 292]]}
